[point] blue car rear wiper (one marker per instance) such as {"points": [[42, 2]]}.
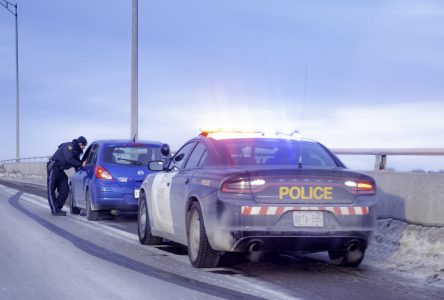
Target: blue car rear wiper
{"points": [[138, 163]]}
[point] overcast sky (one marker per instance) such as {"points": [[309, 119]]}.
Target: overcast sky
{"points": [[375, 71]]}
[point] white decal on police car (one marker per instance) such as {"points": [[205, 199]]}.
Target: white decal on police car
{"points": [[160, 202]]}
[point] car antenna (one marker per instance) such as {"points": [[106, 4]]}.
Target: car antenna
{"points": [[303, 110]]}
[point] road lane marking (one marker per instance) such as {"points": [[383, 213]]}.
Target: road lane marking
{"points": [[8, 190], [104, 228]]}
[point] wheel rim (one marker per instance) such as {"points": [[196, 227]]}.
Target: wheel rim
{"points": [[142, 218], [194, 242]]}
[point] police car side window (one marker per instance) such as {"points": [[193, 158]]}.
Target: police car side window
{"points": [[195, 156], [178, 161], [203, 160]]}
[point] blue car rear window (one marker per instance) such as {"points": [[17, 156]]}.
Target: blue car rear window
{"points": [[127, 155]]}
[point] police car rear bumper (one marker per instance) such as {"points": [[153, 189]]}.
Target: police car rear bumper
{"points": [[236, 229], [302, 241], [242, 240]]}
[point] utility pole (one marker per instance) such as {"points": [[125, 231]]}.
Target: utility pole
{"points": [[134, 74], [12, 8]]}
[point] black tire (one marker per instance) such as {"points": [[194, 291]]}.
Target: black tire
{"points": [[199, 249], [91, 215], [143, 224], [347, 258], [72, 208]]}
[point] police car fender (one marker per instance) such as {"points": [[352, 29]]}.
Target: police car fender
{"points": [[162, 218]]}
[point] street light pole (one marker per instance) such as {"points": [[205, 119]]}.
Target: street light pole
{"points": [[9, 6], [134, 73]]}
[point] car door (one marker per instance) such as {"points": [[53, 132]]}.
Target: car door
{"points": [[76, 186], [86, 173], [162, 213], [180, 188]]}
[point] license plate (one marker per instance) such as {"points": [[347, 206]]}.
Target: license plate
{"points": [[308, 219], [136, 194]]}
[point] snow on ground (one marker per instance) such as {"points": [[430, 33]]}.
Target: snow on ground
{"points": [[40, 180], [414, 250]]}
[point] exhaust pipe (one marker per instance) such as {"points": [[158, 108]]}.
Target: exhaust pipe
{"points": [[254, 247], [355, 251], [353, 246]]}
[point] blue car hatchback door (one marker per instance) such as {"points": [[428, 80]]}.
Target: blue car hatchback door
{"points": [[112, 176]]}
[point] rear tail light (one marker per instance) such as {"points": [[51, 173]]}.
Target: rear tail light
{"points": [[242, 185], [361, 186], [101, 173], [239, 186]]}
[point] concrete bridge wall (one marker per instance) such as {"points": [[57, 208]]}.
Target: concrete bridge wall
{"points": [[411, 197]]}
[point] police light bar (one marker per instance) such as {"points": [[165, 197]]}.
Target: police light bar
{"points": [[219, 133], [221, 130]]}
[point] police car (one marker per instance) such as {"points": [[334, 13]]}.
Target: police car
{"points": [[255, 191]]}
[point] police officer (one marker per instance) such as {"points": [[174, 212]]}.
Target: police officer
{"points": [[67, 156]]}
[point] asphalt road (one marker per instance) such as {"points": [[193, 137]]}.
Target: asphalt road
{"points": [[47, 257]]}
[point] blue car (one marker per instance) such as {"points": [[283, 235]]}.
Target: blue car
{"points": [[111, 179]]}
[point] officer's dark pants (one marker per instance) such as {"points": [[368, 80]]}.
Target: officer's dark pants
{"points": [[57, 180]]}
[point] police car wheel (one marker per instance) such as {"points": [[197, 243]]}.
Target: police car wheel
{"points": [[143, 224], [347, 258], [90, 214], [72, 208], [199, 249]]}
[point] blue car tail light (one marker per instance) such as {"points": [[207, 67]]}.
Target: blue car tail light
{"points": [[102, 173]]}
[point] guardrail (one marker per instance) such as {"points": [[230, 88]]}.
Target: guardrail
{"points": [[29, 169], [379, 153], [382, 153], [26, 159]]}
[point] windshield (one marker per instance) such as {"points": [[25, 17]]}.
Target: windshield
{"points": [[275, 152], [129, 155]]}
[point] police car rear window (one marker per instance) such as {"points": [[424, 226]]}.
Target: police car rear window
{"points": [[274, 152], [124, 155]]}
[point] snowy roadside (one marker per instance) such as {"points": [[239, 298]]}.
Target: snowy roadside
{"points": [[413, 250], [39, 180]]}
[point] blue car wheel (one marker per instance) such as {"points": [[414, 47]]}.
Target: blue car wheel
{"points": [[90, 214], [72, 208]]}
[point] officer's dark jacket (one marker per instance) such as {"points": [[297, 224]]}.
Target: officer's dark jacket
{"points": [[68, 155]]}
